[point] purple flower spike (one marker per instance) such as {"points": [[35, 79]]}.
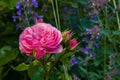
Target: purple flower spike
{"points": [[14, 18], [35, 3], [19, 12], [18, 5], [86, 51]]}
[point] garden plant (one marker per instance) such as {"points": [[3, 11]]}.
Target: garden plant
{"points": [[59, 39]]}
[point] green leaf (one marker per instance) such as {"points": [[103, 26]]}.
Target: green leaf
{"points": [[105, 32], [21, 67], [93, 75], [67, 76], [7, 54], [66, 61], [66, 55], [74, 5], [11, 4], [84, 70], [35, 70], [96, 63]]}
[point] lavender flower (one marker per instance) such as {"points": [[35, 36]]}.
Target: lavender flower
{"points": [[88, 31], [35, 3], [86, 50], [18, 5], [94, 18], [96, 45], [19, 8], [14, 18], [19, 12], [26, 13], [73, 60]]}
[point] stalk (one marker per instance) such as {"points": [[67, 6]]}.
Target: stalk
{"points": [[117, 16], [105, 44], [57, 10], [26, 17], [54, 13]]}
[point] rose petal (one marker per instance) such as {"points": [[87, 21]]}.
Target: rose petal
{"points": [[73, 43], [58, 49], [40, 53]]}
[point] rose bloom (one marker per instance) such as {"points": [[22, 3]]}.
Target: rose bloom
{"points": [[40, 38], [73, 44]]}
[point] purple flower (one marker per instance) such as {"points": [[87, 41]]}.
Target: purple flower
{"points": [[86, 51], [19, 12], [18, 5], [96, 45], [88, 31], [35, 3], [14, 18], [41, 17], [19, 8], [73, 60], [94, 18], [98, 36]]}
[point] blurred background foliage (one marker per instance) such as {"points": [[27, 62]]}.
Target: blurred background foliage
{"points": [[78, 16]]}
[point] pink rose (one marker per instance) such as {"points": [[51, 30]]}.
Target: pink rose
{"points": [[40, 38], [73, 43]]}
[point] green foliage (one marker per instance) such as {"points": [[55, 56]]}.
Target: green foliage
{"points": [[21, 67], [67, 76], [7, 54], [35, 71], [11, 5], [75, 17]]}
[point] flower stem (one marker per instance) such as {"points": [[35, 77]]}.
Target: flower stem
{"points": [[54, 13], [58, 18], [28, 24], [48, 58], [105, 43], [118, 20], [55, 62]]}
